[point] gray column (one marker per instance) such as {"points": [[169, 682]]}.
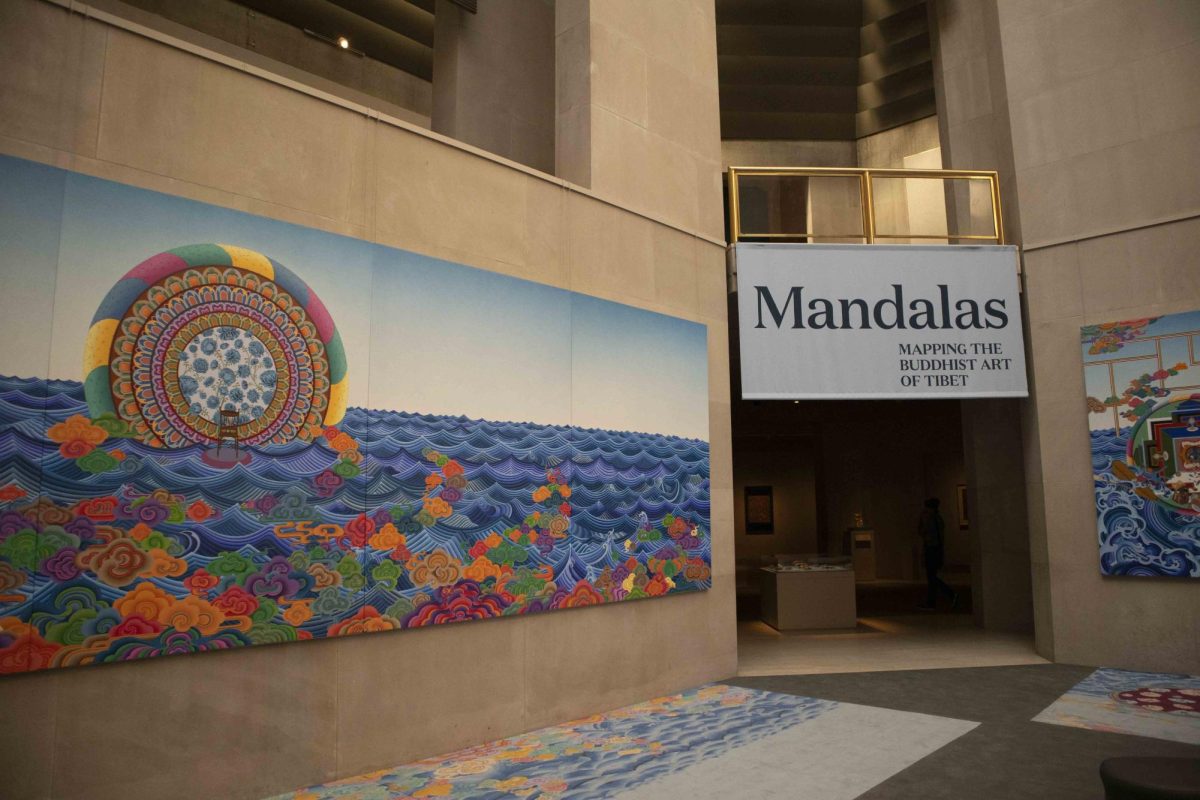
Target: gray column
{"points": [[493, 78], [997, 434]]}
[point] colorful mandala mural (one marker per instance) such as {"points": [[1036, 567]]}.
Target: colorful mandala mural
{"points": [[206, 488], [207, 329]]}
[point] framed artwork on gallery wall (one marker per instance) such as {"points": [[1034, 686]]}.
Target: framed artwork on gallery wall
{"points": [[964, 521], [760, 510], [1142, 407]]}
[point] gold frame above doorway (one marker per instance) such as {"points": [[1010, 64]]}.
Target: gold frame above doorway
{"points": [[865, 178]]}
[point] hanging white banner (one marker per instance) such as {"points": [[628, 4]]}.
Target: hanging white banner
{"points": [[879, 321]]}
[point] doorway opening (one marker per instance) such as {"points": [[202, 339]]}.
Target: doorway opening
{"points": [[832, 531], [828, 548]]}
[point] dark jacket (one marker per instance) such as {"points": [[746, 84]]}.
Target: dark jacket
{"points": [[933, 536]]}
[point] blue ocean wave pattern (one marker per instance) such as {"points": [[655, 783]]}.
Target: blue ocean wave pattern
{"points": [[1104, 683], [594, 758], [113, 549], [1138, 535]]}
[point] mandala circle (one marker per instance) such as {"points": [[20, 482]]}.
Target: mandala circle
{"points": [[1160, 698], [207, 336], [226, 367]]}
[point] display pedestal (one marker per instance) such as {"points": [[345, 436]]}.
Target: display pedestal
{"points": [[862, 551], [808, 600]]}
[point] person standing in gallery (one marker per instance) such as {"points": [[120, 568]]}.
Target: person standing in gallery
{"points": [[932, 531]]}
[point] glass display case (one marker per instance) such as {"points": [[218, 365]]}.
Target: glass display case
{"points": [[809, 562], [806, 591]]}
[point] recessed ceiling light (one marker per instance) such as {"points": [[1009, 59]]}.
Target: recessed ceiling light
{"points": [[343, 42]]}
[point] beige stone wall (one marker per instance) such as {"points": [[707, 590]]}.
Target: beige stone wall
{"points": [[1105, 122], [79, 93], [906, 205], [494, 81], [820, 205], [637, 90], [889, 149], [781, 153], [998, 435], [228, 27], [1135, 623], [969, 82], [1104, 107], [1089, 111]]}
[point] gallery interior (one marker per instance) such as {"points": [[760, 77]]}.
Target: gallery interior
{"points": [[549, 398]]}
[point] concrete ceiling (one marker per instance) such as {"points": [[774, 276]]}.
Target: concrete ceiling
{"points": [[822, 69]]}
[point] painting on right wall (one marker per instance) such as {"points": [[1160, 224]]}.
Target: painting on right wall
{"points": [[1142, 379]]}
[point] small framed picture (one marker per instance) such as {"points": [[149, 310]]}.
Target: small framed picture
{"points": [[760, 512], [964, 522]]}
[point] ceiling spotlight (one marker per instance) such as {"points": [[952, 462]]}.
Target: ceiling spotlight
{"points": [[340, 42]]}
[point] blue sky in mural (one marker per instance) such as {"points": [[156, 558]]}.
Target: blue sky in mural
{"points": [[1136, 348], [451, 331], [466, 341], [633, 365], [1168, 324], [30, 211]]}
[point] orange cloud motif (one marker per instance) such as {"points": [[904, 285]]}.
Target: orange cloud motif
{"points": [[116, 563], [436, 569], [77, 436], [145, 600]]}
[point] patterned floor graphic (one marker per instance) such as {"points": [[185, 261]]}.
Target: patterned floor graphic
{"points": [[1150, 704], [715, 741]]}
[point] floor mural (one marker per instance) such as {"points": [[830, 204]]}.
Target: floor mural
{"points": [[706, 742], [1153, 704]]}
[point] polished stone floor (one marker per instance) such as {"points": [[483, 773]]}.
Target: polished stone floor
{"points": [[1008, 755], [928, 641], [929, 734]]}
